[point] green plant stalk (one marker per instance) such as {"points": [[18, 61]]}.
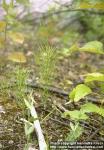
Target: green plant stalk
{"points": [[48, 115], [46, 59]]}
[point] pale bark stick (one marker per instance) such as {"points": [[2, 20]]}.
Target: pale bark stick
{"points": [[36, 123], [41, 140]]}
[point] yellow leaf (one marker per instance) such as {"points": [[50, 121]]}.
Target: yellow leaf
{"points": [[2, 25], [17, 37], [2, 42], [85, 5], [17, 57], [99, 5]]}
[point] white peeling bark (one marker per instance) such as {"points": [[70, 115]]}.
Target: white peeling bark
{"points": [[41, 140]]}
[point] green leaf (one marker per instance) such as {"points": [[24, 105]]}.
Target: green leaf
{"points": [[79, 92], [28, 104], [76, 115], [72, 126], [92, 108], [74, 48], [89, 107], [101, 111], [65, 52], [101, 132], [94, 77], [93, 47], [28, 128], [75, 133], [72, 94]]}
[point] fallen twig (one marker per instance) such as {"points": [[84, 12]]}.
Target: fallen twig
{"points": [[49, 88], [60, 92], [94, 133]]}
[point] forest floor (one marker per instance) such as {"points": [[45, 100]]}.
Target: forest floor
{"points": [[70, 71]]}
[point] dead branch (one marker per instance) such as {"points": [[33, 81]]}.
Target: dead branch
{"points": [[57, 91], [37, 126], [60, 92]]}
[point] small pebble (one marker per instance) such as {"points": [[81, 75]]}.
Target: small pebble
{"points": [[2, 110], [10, 142]]}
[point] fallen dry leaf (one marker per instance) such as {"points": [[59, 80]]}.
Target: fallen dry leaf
{"points": [[17, 37], [2, 25], [17, 57]]}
